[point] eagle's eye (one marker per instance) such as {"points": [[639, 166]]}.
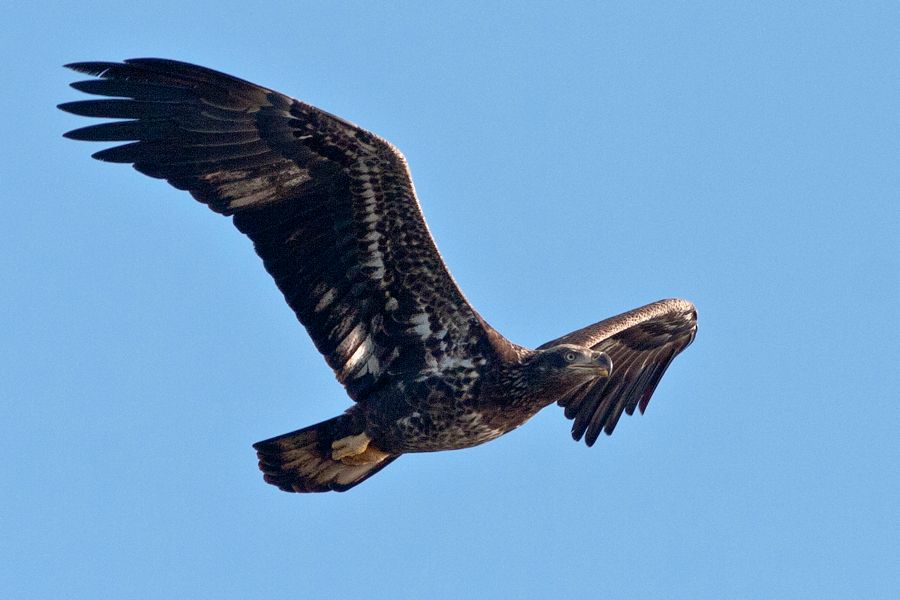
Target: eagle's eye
{"points": [[569, 356]]}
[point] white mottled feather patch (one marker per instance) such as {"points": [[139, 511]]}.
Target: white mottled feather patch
{"points": [[449, 362], [241, 188], [371, 216], [361, 354], [352, 340], [421, 326]]}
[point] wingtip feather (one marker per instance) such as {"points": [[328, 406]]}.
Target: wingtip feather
{"points": [[95, 68]]}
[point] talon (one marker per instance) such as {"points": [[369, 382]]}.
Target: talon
{"points": [[349, 446], [355, 450]]}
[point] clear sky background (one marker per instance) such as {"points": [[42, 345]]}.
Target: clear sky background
{"points": [[573, 162]]}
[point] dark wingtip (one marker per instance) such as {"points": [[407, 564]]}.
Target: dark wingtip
{"points": [[579, 433], [116, 154], [85, 108], [645, 401], [95, 68]]}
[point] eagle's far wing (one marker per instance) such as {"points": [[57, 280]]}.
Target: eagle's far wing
{"points": [[641, 343], [330, 207]]}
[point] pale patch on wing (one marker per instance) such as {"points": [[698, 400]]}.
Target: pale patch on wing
{"points": [[352, 341], [326, 299], [373, 367], [246, 187], [366, 174], [377, 267], [365, 353], [449, 362], [421, 326]]}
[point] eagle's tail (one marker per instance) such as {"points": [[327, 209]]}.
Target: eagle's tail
{"points": [[301, 461]]}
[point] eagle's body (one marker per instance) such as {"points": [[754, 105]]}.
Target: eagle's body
{"points": [[332, 212], [458, 406]]}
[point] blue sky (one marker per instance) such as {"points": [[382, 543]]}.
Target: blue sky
{"points": [[573, 162]]}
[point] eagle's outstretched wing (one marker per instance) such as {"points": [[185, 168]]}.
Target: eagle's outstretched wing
{"points": [[330, 208], [641, 343]]}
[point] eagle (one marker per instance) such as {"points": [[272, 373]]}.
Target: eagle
{"points": [[332, 212]]}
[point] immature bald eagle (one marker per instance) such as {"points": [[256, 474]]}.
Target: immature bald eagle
{"points": [[332, 212]]}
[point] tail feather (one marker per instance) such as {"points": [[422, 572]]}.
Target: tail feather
{"points": [[301, 461]]}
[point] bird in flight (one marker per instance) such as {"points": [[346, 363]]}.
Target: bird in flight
{"points": [[332, 213]]}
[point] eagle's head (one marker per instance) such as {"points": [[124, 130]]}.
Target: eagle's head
{"points": [[558, 369]]}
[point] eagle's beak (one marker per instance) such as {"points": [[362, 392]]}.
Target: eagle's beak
{"points": [[603, 363], [600, 364]]}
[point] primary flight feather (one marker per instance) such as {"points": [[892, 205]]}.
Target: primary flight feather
{"points": [[332, 212]]}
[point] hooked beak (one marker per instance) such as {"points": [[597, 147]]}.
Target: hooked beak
{"points": [[601, 364]]}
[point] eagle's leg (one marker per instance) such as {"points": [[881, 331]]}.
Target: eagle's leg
{"points": [[356, 450]]}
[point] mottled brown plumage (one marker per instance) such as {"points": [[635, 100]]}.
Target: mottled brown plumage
{"points": [[332, 212]]}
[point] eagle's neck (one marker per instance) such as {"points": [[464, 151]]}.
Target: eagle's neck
{"points": [[527, 387]]}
